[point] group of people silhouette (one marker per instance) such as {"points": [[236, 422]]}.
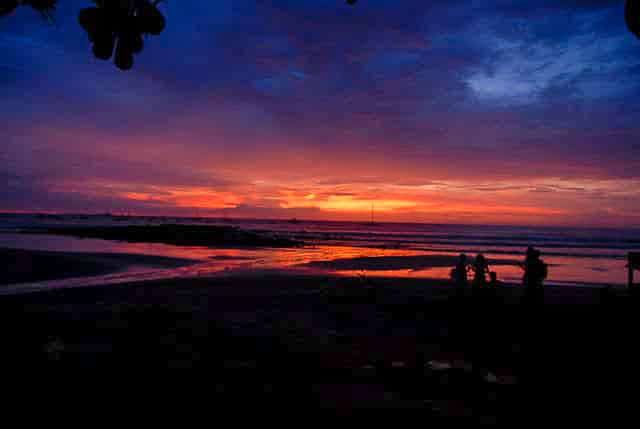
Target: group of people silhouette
{"points": [[535, 273]]}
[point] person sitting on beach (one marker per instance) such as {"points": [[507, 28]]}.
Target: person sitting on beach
{"points": [[493, 282], [480, 271], [459, 273], [535, 271], [492, 289]]}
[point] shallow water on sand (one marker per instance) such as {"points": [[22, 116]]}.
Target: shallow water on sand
{"points": [[603, 264]]}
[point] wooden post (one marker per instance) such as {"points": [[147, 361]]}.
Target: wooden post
{"points": [[633, 264]]}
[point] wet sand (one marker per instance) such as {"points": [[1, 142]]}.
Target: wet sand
{"points": [[383, 263], [26, 266]]}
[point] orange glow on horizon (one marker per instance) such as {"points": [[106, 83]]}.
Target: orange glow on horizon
{"points": [[391, 203], [201, 198], [343, 203], [336, 195]]}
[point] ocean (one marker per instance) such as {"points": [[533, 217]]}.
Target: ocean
{"points": [[576, 256]]}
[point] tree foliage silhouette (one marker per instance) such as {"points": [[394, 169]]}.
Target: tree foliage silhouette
{"points": [[120, 26], [632, 16], [44, 7]]}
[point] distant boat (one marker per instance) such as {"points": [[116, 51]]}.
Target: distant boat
{"points": [[371, 222], [293, 220]]}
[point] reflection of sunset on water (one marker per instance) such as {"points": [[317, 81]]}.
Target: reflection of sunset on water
{"points": [[228, 261]]}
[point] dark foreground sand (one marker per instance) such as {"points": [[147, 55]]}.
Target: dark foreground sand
{"points": [[340, 343]]}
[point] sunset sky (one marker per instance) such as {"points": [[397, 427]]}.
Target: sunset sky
{"points": [[515, 112]]}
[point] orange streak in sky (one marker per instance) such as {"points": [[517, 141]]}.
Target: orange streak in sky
{"points": [[192, 197]]}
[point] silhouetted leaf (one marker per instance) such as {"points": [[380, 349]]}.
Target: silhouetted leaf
{"points": [[632, 16], [7, 7]]}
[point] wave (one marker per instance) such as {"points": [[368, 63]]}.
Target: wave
{"points": [[455, 238]]}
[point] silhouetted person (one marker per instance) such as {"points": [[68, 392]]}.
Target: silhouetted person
{"points": [[121, 25], [535, 273], [480, 270], [459, 274], [493, 284], [493, 279]]}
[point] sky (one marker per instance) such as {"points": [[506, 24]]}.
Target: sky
{"points": [[494, 112]]}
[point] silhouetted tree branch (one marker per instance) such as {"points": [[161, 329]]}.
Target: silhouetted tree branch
{"points": [[120, 26], [44, 7]]}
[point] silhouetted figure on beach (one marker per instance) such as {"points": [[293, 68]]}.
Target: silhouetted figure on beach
{"points": [[121, 25], [492, 286], [44, 7], [493, 280], [459, 274], [480, 271], [535, 273]]}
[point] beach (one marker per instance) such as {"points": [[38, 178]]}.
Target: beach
{"points": [[333, 342], [340, 334]]}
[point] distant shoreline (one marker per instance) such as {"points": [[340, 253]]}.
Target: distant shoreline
{"points": [[174, 234], [239, 219]]}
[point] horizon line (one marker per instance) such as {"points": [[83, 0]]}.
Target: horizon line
{"points": [[286, 219]]}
